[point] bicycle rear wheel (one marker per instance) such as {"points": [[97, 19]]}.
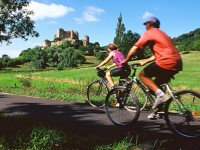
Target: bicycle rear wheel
{"points": [[122, 113], [96, 93], [183, 113]]}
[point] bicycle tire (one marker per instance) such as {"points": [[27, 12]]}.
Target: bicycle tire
{"points": [[96, 93], [144, 103], [182, 114], [122, 115]]}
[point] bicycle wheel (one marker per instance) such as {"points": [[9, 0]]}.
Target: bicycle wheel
{"points": [[142, 98], [122, 113], [183, 113], [96, 93]]}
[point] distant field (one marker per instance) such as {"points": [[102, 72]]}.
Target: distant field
{"points": [[188, 78], [73, 82]]}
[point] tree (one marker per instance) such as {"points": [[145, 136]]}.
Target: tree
{"points": [[196, 45], [26, 55], [52, 55], [128, 40], [119, 31], [100, 55], [6, 60], [39, 58], [1, 64], [15, 21], [70, 57]]}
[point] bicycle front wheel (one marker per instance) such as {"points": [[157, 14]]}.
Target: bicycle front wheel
{"points": [[183, 113], [96, 93], [122, 113]]}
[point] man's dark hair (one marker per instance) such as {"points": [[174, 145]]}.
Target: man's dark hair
{"points": [[155, 24]]}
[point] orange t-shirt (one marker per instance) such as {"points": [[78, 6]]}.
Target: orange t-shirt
{"points": [[166, 54]]}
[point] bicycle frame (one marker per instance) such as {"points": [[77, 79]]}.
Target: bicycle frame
{"points": [[146, 90]]}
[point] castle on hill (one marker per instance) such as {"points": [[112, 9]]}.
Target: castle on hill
{"points": [[70, 35]]}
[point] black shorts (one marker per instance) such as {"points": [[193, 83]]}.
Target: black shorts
{"points": [[161, 75], [122, 72]]}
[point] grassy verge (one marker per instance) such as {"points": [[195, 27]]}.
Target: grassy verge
{"points": [[33, 134]]}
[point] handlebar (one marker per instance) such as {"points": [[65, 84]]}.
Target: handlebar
{"points": [[99, 69], [134, 64], [101, 72]]}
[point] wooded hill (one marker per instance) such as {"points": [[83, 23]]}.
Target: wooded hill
{"points": [[188, 41]]}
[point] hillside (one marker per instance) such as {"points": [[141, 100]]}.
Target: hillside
{"points": [[188, 41]]}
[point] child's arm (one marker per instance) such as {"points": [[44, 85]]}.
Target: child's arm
{"points": [[106, 60], [113, 65]]}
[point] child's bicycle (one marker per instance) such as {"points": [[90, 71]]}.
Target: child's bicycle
{"points": [[181, 112], [98, 89]]}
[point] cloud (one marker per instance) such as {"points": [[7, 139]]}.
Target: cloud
{"points": [[42, 11], [90, 14], [147, 15], [53, 22]]}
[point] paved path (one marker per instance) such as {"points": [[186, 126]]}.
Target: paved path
{"points": [[68, 112], [81, 116]]}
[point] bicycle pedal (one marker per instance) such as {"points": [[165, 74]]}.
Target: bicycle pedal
{"points": [[160, 112]]}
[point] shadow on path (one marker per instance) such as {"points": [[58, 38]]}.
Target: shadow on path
{"points": [[83, 119]]}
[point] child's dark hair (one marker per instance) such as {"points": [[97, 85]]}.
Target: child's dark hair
{"points": [[112, 46]]}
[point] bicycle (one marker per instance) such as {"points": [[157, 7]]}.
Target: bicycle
{"points": [[98, 89], [181, 112]]}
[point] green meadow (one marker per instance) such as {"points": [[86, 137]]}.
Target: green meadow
{"points": [[71, 84]]}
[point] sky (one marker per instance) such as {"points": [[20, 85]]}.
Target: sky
{"points": [[98, 19]]}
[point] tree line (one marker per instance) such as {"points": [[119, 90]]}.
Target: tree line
{"points": [[188, 41], [58, 56]]}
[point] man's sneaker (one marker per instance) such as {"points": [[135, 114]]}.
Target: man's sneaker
{"points": [[153, 116], [117, 105], [160, 100]]}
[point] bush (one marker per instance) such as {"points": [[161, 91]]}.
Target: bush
{"points": [[25, 80], [101, 55]]}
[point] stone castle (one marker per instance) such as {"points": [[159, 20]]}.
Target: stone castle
{"points": [[69, 35]]}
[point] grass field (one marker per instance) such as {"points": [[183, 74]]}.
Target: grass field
{"points": [[18, 132], [70, 84]]}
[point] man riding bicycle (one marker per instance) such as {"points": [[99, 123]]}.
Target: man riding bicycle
{"points": [[166, 60]]}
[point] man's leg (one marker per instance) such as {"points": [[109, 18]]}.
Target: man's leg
{"points": [[161, 97], [148, 81]]}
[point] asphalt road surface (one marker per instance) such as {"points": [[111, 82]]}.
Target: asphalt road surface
{"points": [[84, 117]]}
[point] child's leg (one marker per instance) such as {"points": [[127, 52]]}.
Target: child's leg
{"points": [[110, 79]]}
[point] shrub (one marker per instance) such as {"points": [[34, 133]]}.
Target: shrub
{"points": [[25, 80]]}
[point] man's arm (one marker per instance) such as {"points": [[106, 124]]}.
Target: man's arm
{"points": [[150, 59], [132, 51]]}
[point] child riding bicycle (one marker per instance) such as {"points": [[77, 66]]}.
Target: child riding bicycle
{"points": [[117, 57]]}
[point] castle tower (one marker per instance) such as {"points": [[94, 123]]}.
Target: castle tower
{"points": [[85, 40], [77, 35], [46, 43], [59, 34]]}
